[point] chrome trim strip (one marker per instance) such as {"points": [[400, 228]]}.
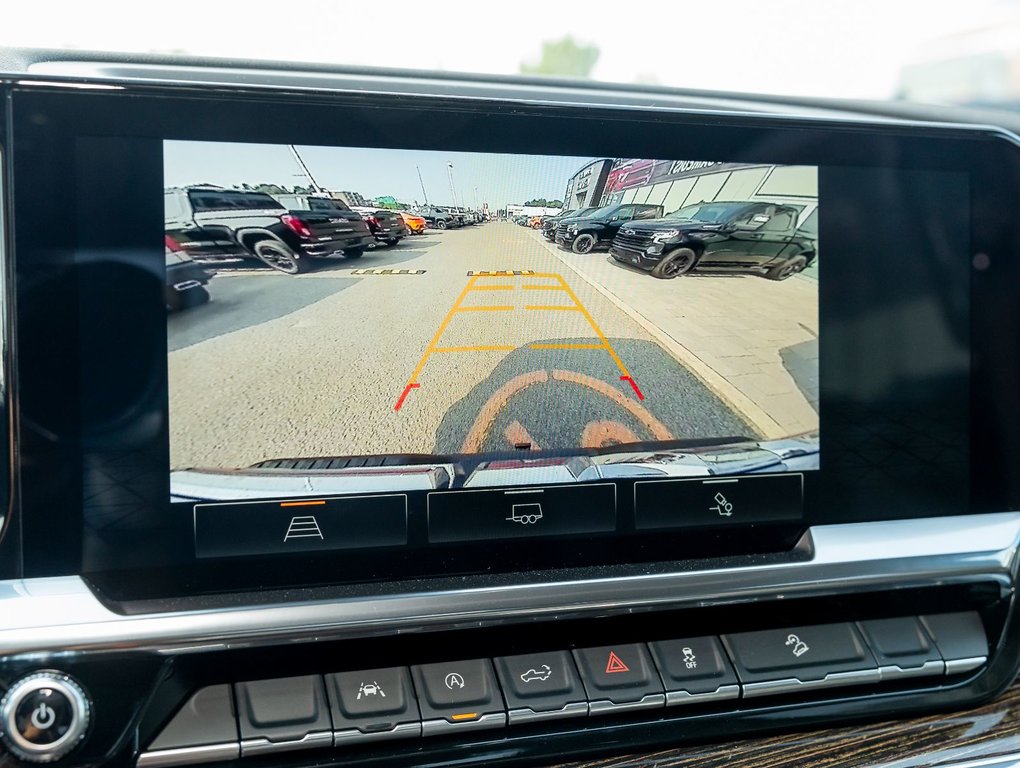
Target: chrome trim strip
{"points": [[722, 693], [959, 666], [527, 715], [928, 669], [606, 707], [261, 746], [443, 727], [793, 685], [63, 614], [1002, 761], [211, 753], [354, 736]]}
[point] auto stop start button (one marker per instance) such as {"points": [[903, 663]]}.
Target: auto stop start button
{"points": [[43, 716]]}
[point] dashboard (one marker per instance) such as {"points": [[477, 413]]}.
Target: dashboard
{"points": [[361, 417]]}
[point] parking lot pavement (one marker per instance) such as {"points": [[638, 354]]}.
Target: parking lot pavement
{"points": [[754, 342], [464, 340]]}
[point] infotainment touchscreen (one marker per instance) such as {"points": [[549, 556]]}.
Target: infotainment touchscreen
{"points": [[349, 320]]}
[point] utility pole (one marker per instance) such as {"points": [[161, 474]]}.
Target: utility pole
{"points": [[308, 173], [426, 194], [453, 193]]}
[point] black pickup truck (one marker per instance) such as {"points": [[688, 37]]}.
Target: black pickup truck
{"points": [[214, 223], [760, 238], [585, 233], [549, 223]]}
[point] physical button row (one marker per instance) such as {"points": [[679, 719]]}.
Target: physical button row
{"points": [[381, 704]]}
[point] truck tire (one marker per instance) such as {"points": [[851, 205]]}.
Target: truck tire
{"points": [[441, 224], [678, 262], [354, 253], [281, 258], [788, 268], [392, 241], [583, 243]]}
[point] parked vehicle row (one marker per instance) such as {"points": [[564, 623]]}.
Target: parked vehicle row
{"points": [[214, 223], [762, 238]]}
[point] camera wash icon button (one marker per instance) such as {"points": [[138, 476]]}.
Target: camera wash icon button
{"points": [[796, 659], [718, 501], [285, 526]]}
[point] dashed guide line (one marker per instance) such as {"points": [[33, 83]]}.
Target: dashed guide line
{"points": [[559, 284]]}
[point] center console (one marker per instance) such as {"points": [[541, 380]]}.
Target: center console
{"points": [[362, 418]]}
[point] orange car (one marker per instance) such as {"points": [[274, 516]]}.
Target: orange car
{"points": [[415, 224], [535, 222]]}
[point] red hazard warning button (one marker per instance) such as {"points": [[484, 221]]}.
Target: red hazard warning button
{"points": [[615, 665], [620, 677]]}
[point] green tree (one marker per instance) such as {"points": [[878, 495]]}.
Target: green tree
{"points": [[539, 202], [271, 189], [565, 58]]}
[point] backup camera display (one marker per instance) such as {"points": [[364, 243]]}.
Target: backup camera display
{"points": [[352, 320]]}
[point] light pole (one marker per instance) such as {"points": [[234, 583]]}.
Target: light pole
{"points": [[453, 193], [422, 185], [308, 173]]}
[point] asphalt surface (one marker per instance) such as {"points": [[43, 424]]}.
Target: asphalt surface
{"points": [[416, 349]]}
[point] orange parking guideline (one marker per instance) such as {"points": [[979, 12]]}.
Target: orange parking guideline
{"points": [[595, 327], [485, 308], [302, 503], [471, 286]]}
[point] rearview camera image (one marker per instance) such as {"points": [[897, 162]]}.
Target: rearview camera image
{"points": [[351, 320]]}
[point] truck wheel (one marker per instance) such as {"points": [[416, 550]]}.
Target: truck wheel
{"points": [[393, 241], [583, 243], [280, 257], [354, 253], [788, 268], [441, 224], [679, 262]]}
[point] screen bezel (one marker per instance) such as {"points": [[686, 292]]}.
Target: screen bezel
{"points": [[46, 124]]}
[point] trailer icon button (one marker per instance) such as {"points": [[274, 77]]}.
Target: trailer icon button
{"points": [[525, 514]]}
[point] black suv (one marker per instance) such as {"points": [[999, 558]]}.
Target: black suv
{"points": [[213, 223], [549, 223], [759, 238], [597, 229]]}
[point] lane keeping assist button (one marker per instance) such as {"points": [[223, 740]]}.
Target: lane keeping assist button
{"points": [[565, 510]]}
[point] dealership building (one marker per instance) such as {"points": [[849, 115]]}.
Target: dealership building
{"points": [[674, 184], [587, 187]]}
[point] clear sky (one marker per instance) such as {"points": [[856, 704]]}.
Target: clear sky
{"points": [[498, 179], [846, 48]]}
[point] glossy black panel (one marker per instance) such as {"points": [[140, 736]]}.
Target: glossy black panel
{"points": [[907, 430]]}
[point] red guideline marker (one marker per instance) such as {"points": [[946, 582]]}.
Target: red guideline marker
{"points": [[403, 396], [634, 386]]}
